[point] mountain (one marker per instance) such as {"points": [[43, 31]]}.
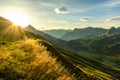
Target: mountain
{"points": [[12, 32], [58, 33], [114, 30], [4, 22], [106, 44], [7, 30], [47, 37], [105, 48], [33, 57], [83, 33], [42, 34]]}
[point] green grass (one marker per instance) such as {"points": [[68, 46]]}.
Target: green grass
{"points": [[113, 61], [30, 60], [40, 60], [92, 67]]}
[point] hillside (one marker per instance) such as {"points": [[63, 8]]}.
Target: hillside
{"points": [[28, 60], [58, 33], [33, 57], [105, 49], [106, 44], [36, 59], [11, 32], [9, 29], [83, 33], [42, 34]]}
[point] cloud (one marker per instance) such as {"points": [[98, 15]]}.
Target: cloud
{"points": [[112, 3], [113, 19], [62, 10], [115, 4], [84, 19], [48, 4]]}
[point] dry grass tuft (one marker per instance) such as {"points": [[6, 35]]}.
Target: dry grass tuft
{"points": [[30, 60]]}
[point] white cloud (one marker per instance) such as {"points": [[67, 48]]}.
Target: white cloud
{"points": [[113, 19], [112, 3], [48, 4], [62, 10], [84, 19]]}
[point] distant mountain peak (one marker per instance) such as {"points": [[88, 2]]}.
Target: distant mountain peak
{"points": [[114, 30], [112, 27], [30, 27], [89, 27]]}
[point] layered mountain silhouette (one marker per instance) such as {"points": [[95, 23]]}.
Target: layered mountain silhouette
{"points": [[58, 33], [83, 33], [43, 35], [106, 44]]}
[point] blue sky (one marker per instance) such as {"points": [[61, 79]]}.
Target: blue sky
{"points": [[66, 14]]}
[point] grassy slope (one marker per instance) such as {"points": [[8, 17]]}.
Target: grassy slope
{"points": [[93, 68], [84, 66], [36, 59], [29, 60], [104, 49]]}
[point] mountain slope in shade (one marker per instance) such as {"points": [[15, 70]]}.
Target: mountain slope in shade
{"points": [[82, 33], [105, 49], [106, 44], [42, 34], [58, 33]]}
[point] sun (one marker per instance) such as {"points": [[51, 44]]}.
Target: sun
{"points": [[17, 17]]}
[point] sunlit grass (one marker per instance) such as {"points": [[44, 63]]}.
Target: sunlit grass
{"points": [[12, 33], [30, 60], [95, 72]]}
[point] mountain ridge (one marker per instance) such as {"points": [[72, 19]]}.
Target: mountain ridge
{"points": [[82, 33], [42, 34], [58, 33]]}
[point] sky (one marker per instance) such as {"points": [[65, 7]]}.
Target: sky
{"points": [[65, 14]]}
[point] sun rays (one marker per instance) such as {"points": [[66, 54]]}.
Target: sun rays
{"points": [[18, 17]]}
